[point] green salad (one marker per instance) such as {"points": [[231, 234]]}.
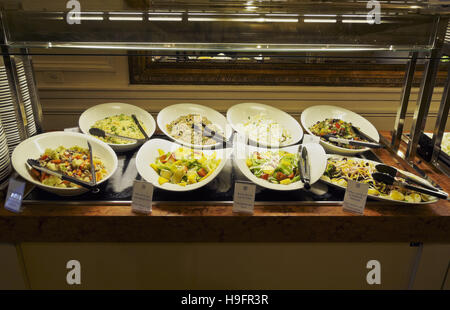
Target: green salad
{"points": [[278, 167]]}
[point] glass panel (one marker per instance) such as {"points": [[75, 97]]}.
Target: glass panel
{"points": [[211, 25]]}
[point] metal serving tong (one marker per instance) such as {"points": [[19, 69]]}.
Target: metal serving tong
{"points": [[139, 126], [91, 162], [390, 180], [101, 133], [208, 132], [304, 166], [92, 186], [363, 135], [332, 138], [393, 172], [34, 163]]}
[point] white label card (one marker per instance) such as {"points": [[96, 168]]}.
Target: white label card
{"points": [[244, 197], [355, 197], [310, 139], [141, 200], [13, 200]]}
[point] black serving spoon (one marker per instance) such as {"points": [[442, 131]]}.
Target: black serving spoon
{"points": [[34, 163], [101, 133], [395, 172], [389, 180]]}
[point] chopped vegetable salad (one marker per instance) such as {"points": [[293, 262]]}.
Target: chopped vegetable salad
{"points": [[74, 162], [184, 166], [336, 127]]}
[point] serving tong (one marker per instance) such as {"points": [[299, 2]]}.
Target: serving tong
{"points": [[103, 134], [370, 142], [146, 137], [304, 167], [390, 180], [394, 172], [332, 138], [92, 185], [209, 133]]}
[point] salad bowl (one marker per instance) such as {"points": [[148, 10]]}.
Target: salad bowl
{"points": [[318, 113], [173, 112], [316, 154], [149, 153], [101, 111], [240, 114], [34, 147]]}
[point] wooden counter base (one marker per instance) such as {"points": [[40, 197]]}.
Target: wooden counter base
{"points": [[219, 224], [380, 222]]}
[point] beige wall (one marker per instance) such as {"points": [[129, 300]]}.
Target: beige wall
{"points": [[70, 84], [12, 271], [232, 265]]}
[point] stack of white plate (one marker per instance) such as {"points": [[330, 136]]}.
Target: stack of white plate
{"points": [[31, 127], [7, 114], [5, 162]]}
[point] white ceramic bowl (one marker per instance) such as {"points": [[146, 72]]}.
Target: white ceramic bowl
{"points": [[148, 154], [316, 154], [239, 113], [171, 113], [35, 146], [374, 196], [312, 115], [101, 111]]}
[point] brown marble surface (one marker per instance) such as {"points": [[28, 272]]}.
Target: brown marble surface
{"points": [[381, 222]]}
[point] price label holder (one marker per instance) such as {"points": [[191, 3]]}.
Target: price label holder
{"points": [[244, 197], [355, 197], [14, 196], [310, 139], [142, 197]]}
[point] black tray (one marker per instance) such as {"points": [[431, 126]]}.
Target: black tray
{"points": [[118, 189]]}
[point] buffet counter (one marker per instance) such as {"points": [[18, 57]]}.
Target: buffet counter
{"points": [[381, 222]]}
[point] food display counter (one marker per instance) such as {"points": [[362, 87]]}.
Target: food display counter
{"points": [[79, 186]]}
